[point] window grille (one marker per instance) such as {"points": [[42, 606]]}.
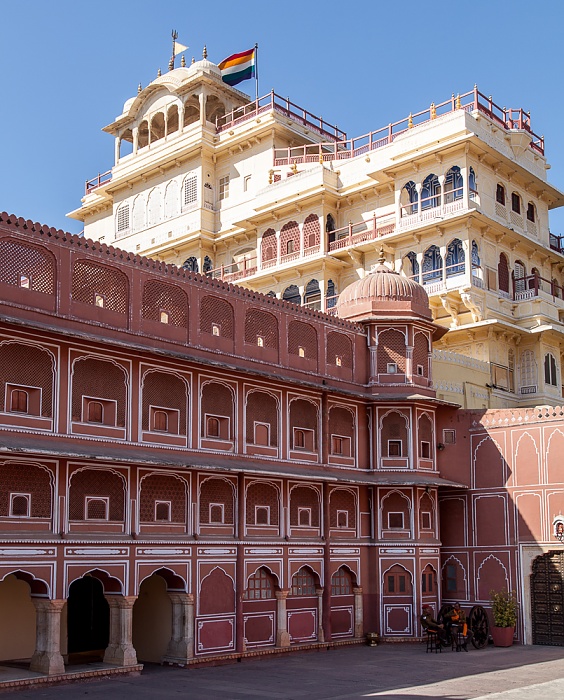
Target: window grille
{"points": [[96, 508], [123, 218], [303, 583], [341, 583], [20, 505], [550, 376], [259, 586], [162, 511], [190, 190]]}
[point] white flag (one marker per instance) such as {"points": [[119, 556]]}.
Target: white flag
{"points": [[179, 48]]}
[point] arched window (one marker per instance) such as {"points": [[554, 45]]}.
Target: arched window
{"points": [[126, 143], [432, 264], [341, 582], [330, 228], [172, 119], [472, 184], [207, 266], [160, 421], [95, 412], [143, 134], [414, 265], [430, 192], [292, 293], [409, 199], [312, 296], [453, 185], [303, 583], [259, 586], [157, 127], [475, 255], [519, 274], [550, 374], [455, 258], [528, 372], [515, 203], [330, 295], [531, 212], [503, 273], [191, 264], [500, 194]]}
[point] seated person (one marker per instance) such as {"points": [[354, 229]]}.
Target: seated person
{"points": [[429, 623], [457, 618]]}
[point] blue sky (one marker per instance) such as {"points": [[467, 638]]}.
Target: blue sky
{"points": [[67, 67]]}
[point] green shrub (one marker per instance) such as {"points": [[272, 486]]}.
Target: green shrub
{"points": [[504, 608]]}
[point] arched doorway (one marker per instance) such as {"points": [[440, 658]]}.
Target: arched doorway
{"points": [[547, 599], [259, 609], [342, 603], [88, 620], [17, 612]]}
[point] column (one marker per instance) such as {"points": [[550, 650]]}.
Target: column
{"points": [[320, 632], [181, 117], [181, 646], [47, 655], [441, 179], [358, 612], [116, 150], [202, 102], [135, 139], [420, 257], [418, 188], [443, 251], [282, 635], [120, 650]]}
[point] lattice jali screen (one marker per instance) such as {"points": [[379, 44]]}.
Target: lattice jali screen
{"points": [[90, 279], [26, 478], [27, 366], [162, 487], [260, 323], [96, 482], [391, 348], [38, 265], [262, 407], [342, 500], [216, 491], [425, 429], [262, 494], [312, 231], [339, 345], [217, 400], [303, 414], [394, 427], [98, 379], [269, 246], [216, 311], [421, 353], [302, 335], [290, 233], [304, 497], [341, 422], [159, 297], [341, 582], [165, 391]]}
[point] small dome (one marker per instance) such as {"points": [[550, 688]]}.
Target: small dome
{"points": [[203, 65], [383, 292]]}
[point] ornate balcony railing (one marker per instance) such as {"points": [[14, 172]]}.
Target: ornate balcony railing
{"points": [[362, 231]]}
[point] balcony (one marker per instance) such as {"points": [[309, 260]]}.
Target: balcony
{"points": [[556, 243], [361, 232]]}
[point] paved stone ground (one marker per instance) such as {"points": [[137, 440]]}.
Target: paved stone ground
{"points": [[389, 671]]}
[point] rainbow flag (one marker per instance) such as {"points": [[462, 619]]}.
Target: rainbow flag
{"points": [[238, 67]]}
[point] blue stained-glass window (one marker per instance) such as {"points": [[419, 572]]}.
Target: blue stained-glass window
{"points": [[412, 257], [432, 264], [453, 184], [430, 192], [455, 258]]}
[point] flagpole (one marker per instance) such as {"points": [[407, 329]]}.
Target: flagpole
{"points": [[174, 38], [256, 74]]}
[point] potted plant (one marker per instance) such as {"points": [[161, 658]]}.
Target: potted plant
{"points": [[504, 611]]}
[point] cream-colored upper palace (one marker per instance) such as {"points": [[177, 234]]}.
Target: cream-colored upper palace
{"points": [[267, 195]]}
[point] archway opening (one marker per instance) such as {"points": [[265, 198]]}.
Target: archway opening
{"points": [[152, 620], [17, 613], [88, 621]]}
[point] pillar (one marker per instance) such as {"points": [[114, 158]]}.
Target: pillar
{"points": [[120, 650], [282, 635], [202, 103], [320, 632], [358, 612], [441, 179], [181, 646], [47, 656], [116, 150], [418, 188]]}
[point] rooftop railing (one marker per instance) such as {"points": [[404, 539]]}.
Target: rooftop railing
{"points": [[95, 182], [284, 106], [556, 243], [350, 148]]}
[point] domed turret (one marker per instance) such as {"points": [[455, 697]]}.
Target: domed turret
{"points": [[383, 293]]}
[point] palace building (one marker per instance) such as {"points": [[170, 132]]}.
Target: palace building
{"points": [[194, 470], [267, 195]]}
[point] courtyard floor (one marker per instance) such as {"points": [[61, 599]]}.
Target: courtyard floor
{"points": [[389, 671]]}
